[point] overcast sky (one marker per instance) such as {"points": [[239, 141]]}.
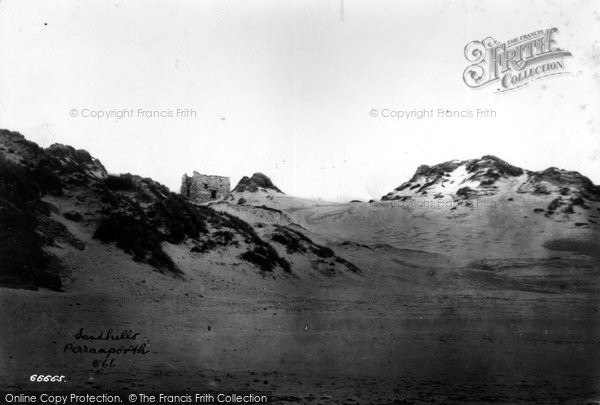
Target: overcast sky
{"points": [[286, 87]]}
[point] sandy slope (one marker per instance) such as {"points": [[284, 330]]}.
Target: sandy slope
{"points": [[336, 344], [482, 295], [506, 320], [414, 326], [507, 228]]}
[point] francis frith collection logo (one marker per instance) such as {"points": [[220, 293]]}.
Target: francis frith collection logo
{"points": [[514, 63]]}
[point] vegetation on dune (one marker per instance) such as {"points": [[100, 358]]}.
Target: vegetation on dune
{"points": [[139, 214], [492, 162], [465, 192], [263, 254], [123, 182], [23, 261], [136, 237], [254, 183], [296, 242], [215, 240], [266, 258], [135, 213]]}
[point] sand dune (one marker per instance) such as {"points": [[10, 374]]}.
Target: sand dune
{"points": [[381, 303]]}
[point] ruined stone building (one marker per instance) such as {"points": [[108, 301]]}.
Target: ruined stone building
{"points": [[202, 188]]}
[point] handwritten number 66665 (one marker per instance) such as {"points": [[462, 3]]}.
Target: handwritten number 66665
{"points": [[47, 378]]}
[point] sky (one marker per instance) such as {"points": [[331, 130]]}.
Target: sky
{"points": [[288, 88]]}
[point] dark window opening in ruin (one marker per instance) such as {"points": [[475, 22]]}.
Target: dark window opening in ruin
{"points": [[205, 185], [213, 193]]}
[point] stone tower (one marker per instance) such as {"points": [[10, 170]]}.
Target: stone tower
{"points": [[203, 188]]}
